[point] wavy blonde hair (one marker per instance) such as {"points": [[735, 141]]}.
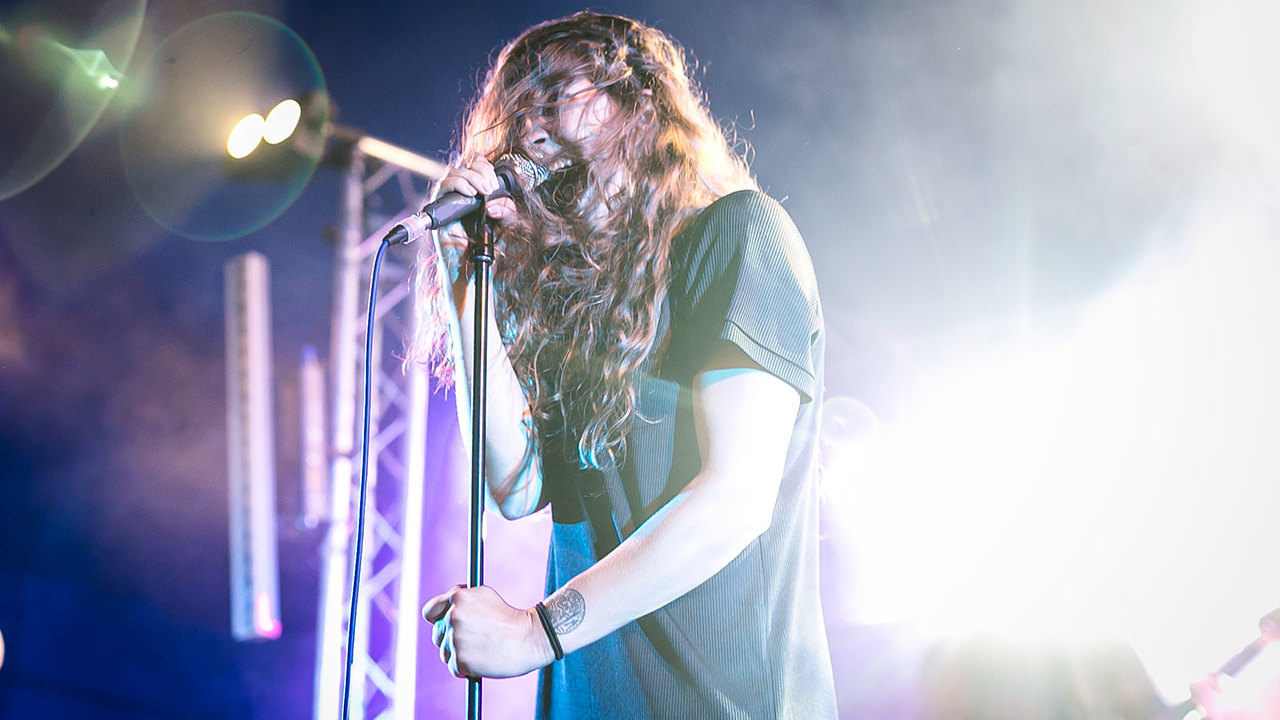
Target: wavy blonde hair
{"points": [[581, 275]]}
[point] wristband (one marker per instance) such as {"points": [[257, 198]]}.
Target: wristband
{"points": [[545, 617]]}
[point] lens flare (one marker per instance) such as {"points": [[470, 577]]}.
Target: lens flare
{"points": [[57, 87], [191, 149]]}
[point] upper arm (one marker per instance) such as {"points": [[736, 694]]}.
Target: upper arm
{"points": [[744, 417], [513, 475], [746, 327]]}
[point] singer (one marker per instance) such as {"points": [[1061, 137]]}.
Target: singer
{"points": [[658, 383]]}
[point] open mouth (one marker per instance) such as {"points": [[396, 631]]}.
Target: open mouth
{"points": [[564, 186]]}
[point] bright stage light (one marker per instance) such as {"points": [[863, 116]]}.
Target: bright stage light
{"points": [[44, 53], [1113, 484], [266, 618], [253, 129], [246, 136], [190, 172], [282, 121], [1252, 694], [95, 65], [70, 87]]}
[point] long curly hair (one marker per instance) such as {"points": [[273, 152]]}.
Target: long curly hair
{"points": [[581, 275]]}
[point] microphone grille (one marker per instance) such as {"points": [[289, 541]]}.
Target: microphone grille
{"points": [[529, 174]]}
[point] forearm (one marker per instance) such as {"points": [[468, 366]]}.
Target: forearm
{"points": [[480, 635], [511, 467], [512, 471], [688, 540], [743, 420]]}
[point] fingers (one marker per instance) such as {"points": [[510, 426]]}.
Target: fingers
{"points": [[440, 630], [475, 176], [449, 656], [442, 637], [502, 209], [439, 612], [444, 631], [455, 237]]}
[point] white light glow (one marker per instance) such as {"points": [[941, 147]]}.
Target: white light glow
{"points": [[1116, 484], [1225, 51], [264, 617], [246, 136], [282, 121], [1253, 694]]}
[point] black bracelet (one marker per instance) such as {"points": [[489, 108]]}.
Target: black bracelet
{"points": [[545, 617]]}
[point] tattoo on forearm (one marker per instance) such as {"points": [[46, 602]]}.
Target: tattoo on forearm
{"points": [[567, 610]]}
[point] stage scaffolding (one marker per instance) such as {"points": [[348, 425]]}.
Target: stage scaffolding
{"points": [[385, 666]]}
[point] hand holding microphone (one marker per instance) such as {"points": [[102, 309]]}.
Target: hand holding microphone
{"points": [[480, 177], [461, 191]]}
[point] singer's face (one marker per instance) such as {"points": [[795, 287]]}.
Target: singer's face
{"points": [[582, 111]]}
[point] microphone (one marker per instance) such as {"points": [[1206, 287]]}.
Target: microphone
{"points": [[517, 174]]}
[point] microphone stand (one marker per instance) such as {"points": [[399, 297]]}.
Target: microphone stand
{"points": [[482, 252]]}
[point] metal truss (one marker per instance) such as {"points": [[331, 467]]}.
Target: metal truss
{"points": [[384, 670]]}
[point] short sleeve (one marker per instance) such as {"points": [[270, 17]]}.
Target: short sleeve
{"points": [[742, 274]]}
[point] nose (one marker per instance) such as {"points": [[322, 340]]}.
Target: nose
{"points": [[537, 142]]}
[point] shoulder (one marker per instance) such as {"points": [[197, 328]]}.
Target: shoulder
{"points": [[741, 274], [745, 201], [747, 227], [746, 212]]}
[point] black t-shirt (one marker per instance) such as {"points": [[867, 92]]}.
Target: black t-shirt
{"points": [[750, 641]]}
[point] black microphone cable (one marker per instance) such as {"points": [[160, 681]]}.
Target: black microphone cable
{"points": [[364, 478]]}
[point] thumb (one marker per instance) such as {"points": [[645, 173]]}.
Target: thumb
{"points": [[437, 606]]}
